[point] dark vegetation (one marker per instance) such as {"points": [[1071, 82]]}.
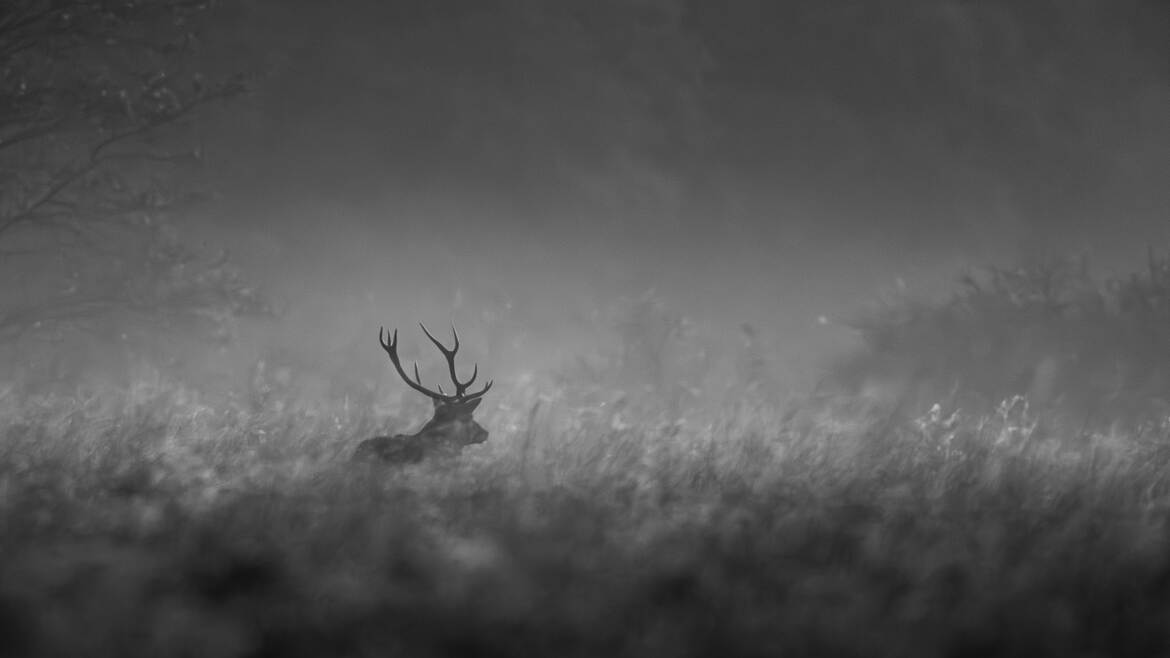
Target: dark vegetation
{"points": [[1093, 352]]}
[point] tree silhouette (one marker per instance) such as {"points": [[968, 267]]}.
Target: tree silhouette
{"points": [[96, 156]]}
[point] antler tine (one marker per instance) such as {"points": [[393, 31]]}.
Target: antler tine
{"points": [[475, 366], [449, 354], [442, 347], [485, 389], [391, 348]]}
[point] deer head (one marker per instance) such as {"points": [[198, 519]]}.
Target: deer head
{"points": [[451, 427]]}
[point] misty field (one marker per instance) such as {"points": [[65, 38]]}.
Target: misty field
{"points": [[656, 225], [984, 475], [151, 524]]}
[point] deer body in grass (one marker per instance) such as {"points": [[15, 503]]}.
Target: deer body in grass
{"points": [[451, 427]]}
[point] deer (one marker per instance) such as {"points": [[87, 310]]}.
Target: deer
{"points": [[451, 427]]}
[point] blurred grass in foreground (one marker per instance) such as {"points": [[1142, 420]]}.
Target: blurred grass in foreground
{"points": [[148, 523]]}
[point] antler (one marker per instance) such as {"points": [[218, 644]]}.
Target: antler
{"points": [[391, 348]]}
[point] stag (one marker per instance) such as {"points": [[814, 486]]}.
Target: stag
{"points": [[449, 430]]}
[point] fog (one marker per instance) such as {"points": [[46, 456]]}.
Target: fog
{"points": [[522, 169]]}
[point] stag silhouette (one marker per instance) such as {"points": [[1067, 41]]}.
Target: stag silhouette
{"points": [[449, 430]]}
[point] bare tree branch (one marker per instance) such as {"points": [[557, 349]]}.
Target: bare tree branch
{"points": [[88, 89], [97, 157]]}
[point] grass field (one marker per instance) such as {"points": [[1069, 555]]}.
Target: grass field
{"points": [[149, 523]]}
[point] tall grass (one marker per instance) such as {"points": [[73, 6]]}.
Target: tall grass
{"points": [[148, 523]]}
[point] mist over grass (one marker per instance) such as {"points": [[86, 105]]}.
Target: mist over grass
{"points": [[635, 212], [628, 503]]}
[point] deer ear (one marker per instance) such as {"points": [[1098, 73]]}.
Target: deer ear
{"points": [[437, 403], [471, 405]]}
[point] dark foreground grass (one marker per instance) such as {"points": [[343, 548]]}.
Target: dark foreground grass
{"points": [[160, 527]]}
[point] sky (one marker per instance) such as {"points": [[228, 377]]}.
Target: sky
{"points": [[523, 167]]}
